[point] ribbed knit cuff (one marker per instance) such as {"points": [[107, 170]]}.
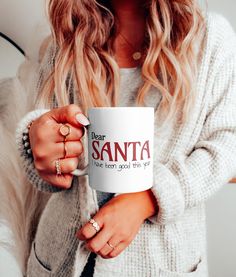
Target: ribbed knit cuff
{"points": [[28, 164], [24, 122], [168, 194]]}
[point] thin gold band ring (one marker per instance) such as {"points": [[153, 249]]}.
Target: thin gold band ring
{"points": [[113, 247], [65, 150]]}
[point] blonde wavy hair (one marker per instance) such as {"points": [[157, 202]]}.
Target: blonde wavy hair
{"points": [[84, 31]]}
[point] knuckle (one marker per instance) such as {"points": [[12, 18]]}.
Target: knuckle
{"points": [[107, 217], [93, 247], [85, 235], [72, 109], [123, 235]]}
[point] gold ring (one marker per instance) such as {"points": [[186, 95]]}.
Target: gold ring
{"points": [[65, 130], [95, 224], [65, 150], [58, 167], [113, 247]]}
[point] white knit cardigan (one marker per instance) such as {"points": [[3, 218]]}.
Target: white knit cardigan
{"points": [[192, 161]]}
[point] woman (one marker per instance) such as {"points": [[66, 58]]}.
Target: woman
{"points": [[159, 53]]}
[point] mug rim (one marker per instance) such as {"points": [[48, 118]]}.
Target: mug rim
{"points": [[121, 108]]}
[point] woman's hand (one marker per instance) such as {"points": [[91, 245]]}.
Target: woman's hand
{"points": [[47, 143], [119, 220]]}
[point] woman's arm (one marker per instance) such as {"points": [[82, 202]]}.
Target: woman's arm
{"points": [[45, 180], [187, 181], [48, 145], [27, 163], [44, 66]]}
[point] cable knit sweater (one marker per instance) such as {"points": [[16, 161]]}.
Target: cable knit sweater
{"points": [[191, 162]]}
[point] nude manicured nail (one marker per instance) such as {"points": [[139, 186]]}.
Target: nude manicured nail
{"points": [[82, 119]]}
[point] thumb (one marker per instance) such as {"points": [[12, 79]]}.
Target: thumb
{"points": [[71, 114]]}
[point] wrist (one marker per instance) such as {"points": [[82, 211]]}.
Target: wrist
{"points": [[145, 201], [149, 204]]}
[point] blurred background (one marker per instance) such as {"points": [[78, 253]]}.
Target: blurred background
{"points": [[19, 22]]}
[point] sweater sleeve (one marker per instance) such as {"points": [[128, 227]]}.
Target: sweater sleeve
{"points": [[40, 75], [28, 164], [186, 181]]}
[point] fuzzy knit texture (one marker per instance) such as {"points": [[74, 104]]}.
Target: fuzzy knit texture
{"points": [[192, 161]]}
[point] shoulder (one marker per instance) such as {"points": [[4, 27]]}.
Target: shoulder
{"points": [[47, 51], [44, 47], [220, 62], [218, 24], [46, 62], [220, 37]]}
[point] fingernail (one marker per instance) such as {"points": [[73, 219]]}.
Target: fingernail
{"points": [[82, 119]]}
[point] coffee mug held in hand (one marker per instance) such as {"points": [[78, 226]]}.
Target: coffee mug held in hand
{"points": [[120, 149]]}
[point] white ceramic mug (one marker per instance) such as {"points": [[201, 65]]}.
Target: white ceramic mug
{"points": [[120, 149]]}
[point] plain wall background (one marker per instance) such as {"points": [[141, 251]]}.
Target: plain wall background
{"points": [[19, 19]]}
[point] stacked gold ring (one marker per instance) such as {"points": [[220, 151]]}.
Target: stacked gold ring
{"points": [[58, 167], [65, 130]]}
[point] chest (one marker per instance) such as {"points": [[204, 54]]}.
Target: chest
{"points": [[176, 137]]}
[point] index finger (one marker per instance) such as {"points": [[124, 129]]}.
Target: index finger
{"points": [[68, 114]]}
